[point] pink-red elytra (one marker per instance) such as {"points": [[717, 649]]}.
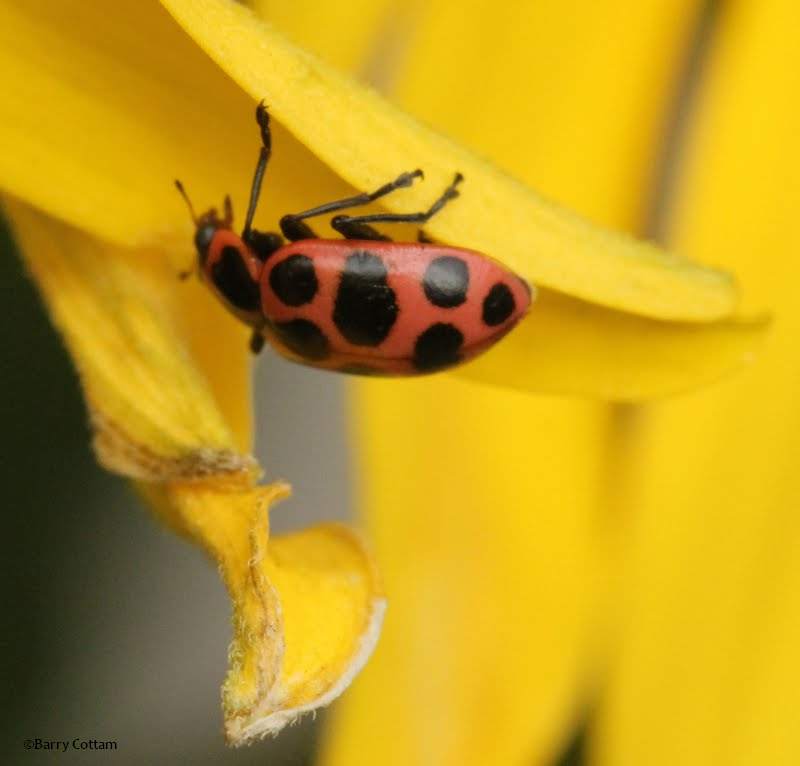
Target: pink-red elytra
{"points": [[363, 304]]}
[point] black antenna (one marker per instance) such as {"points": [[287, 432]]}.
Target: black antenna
{"points": [[179, 187]]}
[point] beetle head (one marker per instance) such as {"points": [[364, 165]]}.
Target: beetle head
{"points": [[207, 224]]}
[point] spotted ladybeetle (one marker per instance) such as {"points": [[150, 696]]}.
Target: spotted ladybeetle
{"points": [[362, 305]]}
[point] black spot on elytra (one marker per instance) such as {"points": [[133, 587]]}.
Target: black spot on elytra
{"points": [[294, 280], [438, 347], [446, 281], [498, 305], [304, 338], [231, 277], [366, 307]]}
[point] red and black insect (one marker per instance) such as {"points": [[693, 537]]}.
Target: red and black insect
{"points": [[363, 304]]}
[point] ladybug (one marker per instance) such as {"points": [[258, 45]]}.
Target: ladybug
{"points": [[362, 305]]}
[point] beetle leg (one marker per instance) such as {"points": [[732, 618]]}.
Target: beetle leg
{"points": [[263, 243], [256, 341], [355, 230], [228, 220], [293, 228], [451, 192], [262, 118]]}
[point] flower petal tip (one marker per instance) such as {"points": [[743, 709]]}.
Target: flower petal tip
{"points": [[271, 718]]}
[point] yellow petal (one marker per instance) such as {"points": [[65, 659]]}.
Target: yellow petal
{"points": [[342, 35], [480, 503], [131, 104], [572, 347], [556, 86], [154, 413], [710, 648], [307, 607], [366, 140]]}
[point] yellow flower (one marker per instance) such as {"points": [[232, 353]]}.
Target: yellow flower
{"points": [[102, 111]]}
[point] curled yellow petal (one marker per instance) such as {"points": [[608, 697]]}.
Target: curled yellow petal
{"points": [[366, 140], [307, 606], [573, 347]]}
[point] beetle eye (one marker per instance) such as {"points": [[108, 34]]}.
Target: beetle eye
{"points": [[202, 239]]}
